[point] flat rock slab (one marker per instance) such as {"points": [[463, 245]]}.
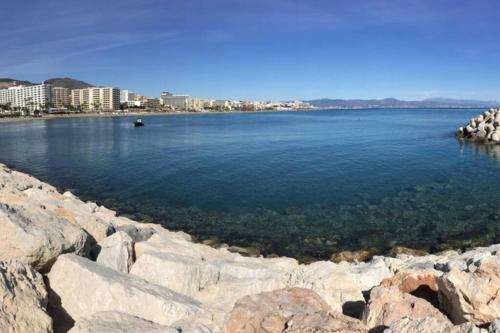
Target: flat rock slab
{"points": [[80, 287], [118, 322]]}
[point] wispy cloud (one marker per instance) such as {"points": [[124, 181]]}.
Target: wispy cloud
{"points": [[48, 56]]}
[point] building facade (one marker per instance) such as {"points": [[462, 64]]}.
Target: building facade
{"points": [[177, 102], [61, 97], [96, 99], [221, 104], [32, 98], [127, 96]]}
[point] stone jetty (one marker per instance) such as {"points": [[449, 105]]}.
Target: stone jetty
{"points": [[483, 128], [73, 266]]}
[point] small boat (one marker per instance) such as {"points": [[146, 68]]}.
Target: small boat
{"points": [[138, 122]]}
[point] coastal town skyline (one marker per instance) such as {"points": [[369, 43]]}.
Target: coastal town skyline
{"points": [[282, 50], [66, 96]]}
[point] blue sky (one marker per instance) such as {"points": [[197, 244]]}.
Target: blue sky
{"points": [[260, 49]]}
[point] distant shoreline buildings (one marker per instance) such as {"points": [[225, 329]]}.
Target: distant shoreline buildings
{"points": [[48, 98]]}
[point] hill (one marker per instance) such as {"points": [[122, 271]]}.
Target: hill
{"points": [[7, 83], [69, 83]]}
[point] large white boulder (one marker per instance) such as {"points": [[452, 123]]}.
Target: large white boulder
{"points": [[23, 299], [220, 278], [32, 236], [80, 287], [119, 322], [116, 252]]}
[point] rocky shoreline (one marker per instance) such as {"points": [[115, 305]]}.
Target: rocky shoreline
{"points": [[484, 128], [67, 265]]}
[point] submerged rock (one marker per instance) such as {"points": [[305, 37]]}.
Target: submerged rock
{"points": [[23, 299], [354, 256], [401, 250]]}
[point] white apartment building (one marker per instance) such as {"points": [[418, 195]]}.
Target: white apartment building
{"points": [[36, 97], [222, 104], [126, 96], [198, 104], [178, 102], [96, 99], [61, 97]]}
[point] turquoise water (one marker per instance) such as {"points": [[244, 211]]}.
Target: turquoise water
{"points": [[303, 184]]}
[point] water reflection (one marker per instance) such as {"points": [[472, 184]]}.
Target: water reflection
{"points": [[490, 150]]}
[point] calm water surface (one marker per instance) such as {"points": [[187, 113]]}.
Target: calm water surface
{"points": [[304, 184]]}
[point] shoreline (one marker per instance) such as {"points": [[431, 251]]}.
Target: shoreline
{"points": [[186, 113], [136, 114], [82, 266], [354, 255]]}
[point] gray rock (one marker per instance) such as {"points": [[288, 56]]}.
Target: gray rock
{"points": [[23, 299], [32, 236], [137, 235], [116, 252]]}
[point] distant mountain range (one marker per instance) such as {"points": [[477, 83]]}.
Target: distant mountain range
{"points": [[396, 103], [64, 82]]}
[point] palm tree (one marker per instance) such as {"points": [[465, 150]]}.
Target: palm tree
{"points": [[96, 105]]}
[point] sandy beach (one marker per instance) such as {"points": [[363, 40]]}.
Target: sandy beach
{"points": [[132, 114]]}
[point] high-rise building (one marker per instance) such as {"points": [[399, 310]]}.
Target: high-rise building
{"points": [[61, 97], [35, 97], [126, 96], [96, 99]]}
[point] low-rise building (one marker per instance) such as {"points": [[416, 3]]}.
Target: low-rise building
{"points": [[177, 102], [197, 104], [221, 104], [96, 99]]}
